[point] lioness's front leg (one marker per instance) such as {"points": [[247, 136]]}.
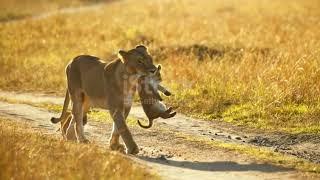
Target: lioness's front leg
{"points": [[122, 129], [114, 139]]}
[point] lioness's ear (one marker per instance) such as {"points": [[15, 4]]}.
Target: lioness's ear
{"points": [[141, 48], [122, 55]]}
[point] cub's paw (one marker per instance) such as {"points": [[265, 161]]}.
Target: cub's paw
{"points": [[167, 93]]}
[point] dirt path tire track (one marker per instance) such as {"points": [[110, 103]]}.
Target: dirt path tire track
{"points": [[169, 156]]}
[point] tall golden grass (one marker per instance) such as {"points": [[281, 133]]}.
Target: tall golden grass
{"points": [[249, 62], [26, 154], [17, 9]]}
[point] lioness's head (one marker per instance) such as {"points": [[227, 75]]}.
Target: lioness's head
{"points": [[138, 60]]}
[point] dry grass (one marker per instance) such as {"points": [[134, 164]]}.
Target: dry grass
{"points": [[253, 63], [26, 154], [260, 153], [17, 9]]}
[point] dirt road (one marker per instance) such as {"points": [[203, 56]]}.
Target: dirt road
{"points": [[171, 156]]}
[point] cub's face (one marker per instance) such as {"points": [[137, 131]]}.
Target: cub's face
{"points": [[138, 61], [154, 79], [151, 83], [156, 76]]}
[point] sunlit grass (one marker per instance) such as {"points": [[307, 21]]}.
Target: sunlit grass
{"points": [[252, 63], [294, 118], [26, 154], [260, 153], [17, 9]]}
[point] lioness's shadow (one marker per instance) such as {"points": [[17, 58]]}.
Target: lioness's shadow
{"points": [[217, 165]]}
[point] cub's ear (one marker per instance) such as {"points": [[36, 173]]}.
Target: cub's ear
{"points": [[123, 55], [141, 48], [159, 67]]}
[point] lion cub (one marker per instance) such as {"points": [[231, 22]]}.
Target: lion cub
{"points": [[151, 99]]}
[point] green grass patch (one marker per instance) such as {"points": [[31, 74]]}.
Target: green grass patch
{"points": [[291, 118], [261, 154], [285, 117]]}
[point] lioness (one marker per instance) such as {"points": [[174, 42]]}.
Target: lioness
{"points": [[150, 98], [150, 85], [94, 83]]}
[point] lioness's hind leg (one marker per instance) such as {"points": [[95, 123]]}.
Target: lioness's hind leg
{"points": [[85, 109], [65, 124], [77, 112], [69, 133]]}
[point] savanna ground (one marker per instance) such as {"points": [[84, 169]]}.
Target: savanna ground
{"points": [[250, 63]]}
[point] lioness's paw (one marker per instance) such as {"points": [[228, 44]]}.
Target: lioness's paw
{"points": [[133, 151], [118, 147], [122, 149], [68, 138], [85, 141]]}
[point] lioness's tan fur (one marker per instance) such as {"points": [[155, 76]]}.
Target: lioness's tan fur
{"points": [[94, 83]]}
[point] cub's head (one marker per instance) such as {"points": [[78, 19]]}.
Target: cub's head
{"points": [[137, 60]]}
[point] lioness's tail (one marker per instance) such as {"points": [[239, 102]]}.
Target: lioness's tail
{"points": [[64, 110]]}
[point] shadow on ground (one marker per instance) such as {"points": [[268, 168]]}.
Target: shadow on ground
{"points": [[217, 165]]}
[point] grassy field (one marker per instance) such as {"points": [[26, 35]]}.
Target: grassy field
{"points": [[260, 153], [26, 154], [254, 63], [18, 9]]}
